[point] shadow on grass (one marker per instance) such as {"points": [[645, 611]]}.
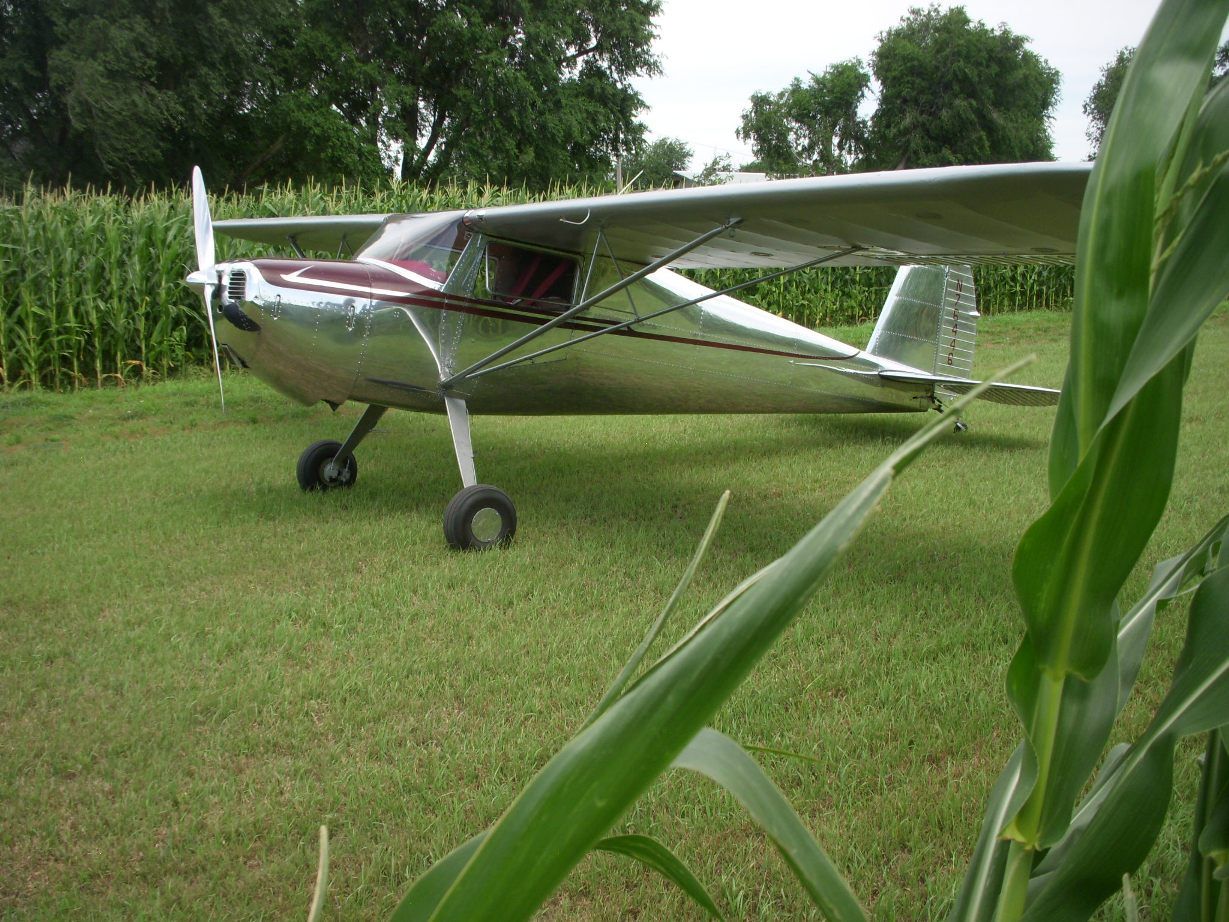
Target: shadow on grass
{"points": [[595, 486]]}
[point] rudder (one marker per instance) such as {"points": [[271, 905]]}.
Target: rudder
{"points": [[929, 320]]}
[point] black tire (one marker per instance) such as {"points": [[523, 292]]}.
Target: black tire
{"points": [[469, 525], [313, 462]]}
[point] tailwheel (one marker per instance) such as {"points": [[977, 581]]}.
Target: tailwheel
{"points": [[317, 471], [479, 517]]}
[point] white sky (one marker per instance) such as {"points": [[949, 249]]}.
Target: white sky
{"points": [[716, 53]]}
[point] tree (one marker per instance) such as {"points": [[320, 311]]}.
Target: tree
{"points": [[810, 128], [654, 165], [487, 89], [715, 172], [1100, 102], [130, 92], [955, 91], [1104, 93]]}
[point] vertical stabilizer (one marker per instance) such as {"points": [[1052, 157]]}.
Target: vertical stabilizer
{"points": [[929, 321]]}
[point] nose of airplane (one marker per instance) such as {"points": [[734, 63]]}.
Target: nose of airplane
{"points": [[231, 305]]}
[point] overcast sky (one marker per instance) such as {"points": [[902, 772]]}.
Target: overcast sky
{"points": [[716, 53]]}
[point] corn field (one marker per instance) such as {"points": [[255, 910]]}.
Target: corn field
{"points": [[92, 293]]}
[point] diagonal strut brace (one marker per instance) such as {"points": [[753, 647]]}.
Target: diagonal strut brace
{"points": [[627, 324], [584, 305]]}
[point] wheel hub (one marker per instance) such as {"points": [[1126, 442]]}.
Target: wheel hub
{"points": [[333, 475], [486, 524]]}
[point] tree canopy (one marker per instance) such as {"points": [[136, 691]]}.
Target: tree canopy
{"points": [[812, 127], [955, 91], [131, 93], [951, 91], [655, 165], [1100, 102]]}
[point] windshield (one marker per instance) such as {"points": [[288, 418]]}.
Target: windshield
{"points": [[426, 245]]}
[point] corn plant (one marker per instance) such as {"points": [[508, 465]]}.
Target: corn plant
{"points": [[1151, 268]]}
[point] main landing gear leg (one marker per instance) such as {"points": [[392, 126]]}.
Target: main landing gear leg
{"points": [[480, 516], [328, 465]]}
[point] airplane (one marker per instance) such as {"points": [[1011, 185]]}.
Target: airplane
{"points": [[572, 307]]}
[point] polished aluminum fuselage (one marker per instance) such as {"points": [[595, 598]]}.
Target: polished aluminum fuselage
{"points": [[377, 334]]}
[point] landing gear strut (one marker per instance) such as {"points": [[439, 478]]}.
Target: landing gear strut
{"points": [[480, 516], [327, 465]]}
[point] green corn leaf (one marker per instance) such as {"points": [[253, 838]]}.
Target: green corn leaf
{"points": [[979, 890], [723, 760], [1110, 470], [1170, 578], [651, 853], [1113, 258], [1201, 891], [429, 889], [1194, 277], [1072, 561], [1068, 569], [599, 773], [1135, 799], [1084, 718]]}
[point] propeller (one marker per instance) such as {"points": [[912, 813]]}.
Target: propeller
{"points": [[206, 275]]}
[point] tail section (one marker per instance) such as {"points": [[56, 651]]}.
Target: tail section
{"points": [[929, 321]]}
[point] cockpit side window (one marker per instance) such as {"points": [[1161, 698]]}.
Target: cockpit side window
{"points": [[529, 277], [429, 252]]}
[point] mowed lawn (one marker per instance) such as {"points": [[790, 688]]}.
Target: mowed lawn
{"points": [[200, 664]]}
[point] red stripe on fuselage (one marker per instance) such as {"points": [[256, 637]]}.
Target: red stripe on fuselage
{"points": [[372, 277]]}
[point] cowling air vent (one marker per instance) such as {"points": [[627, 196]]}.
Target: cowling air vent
{"points": [[236, 285]]}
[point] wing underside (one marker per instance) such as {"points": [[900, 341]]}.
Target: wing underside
{"points": [[328, 233]]}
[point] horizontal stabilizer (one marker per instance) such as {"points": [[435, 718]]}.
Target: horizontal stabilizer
{"points": [[1018, 395]]}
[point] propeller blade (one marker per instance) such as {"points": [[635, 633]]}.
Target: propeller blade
{"points": [[206, 276], [202, 221]]}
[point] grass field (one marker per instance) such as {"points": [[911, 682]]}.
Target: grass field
{"points": [[201, 664]]}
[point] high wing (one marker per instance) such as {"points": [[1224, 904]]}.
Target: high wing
{"points": [[950, 215], [331, 233], [1024, 213]]}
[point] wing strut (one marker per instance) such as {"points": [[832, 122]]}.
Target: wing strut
{"points": [[659, 263], [811, 263]]}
